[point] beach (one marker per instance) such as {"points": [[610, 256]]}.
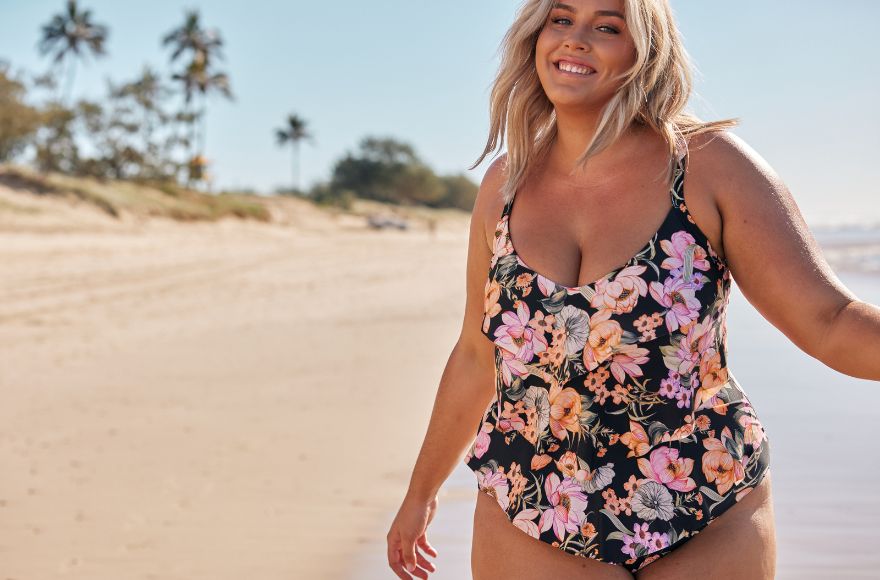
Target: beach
{"points": [[243, 399]]}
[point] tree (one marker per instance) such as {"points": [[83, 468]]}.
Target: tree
{"points": [[67, 35], [293, 132], [18, 120], [385, 169], [197, 78]]}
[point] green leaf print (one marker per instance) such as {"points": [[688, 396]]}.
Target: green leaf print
{"points": [[617, 523]]}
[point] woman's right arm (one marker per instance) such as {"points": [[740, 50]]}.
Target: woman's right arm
{"points": [[466, 388]]}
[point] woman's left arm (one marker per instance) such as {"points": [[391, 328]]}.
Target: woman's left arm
{"points": [[779, 266]]}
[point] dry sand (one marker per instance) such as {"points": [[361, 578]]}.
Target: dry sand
{"points": [[216, 401]]}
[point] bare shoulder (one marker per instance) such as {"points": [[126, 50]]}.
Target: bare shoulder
{"points": [[490, 202], [725, 165], [767, 242]]}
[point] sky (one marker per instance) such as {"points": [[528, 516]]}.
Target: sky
{"points": [[803, 76]]}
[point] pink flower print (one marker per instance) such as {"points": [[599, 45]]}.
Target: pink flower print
{"points": [[524, 520], [495, 484], [516, 336], [754, 431], [621, 294], [669, 388], [666, 467], [481, 444], [511, 366], [641, 533], [657, 542], [626, 360], [686, 352], [546, 285], [568, 501], [677, 246], [684, 398], [629, 546], [677, 296]]}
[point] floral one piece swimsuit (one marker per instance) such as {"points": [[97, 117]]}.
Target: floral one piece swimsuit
{"points": [[617, 431]]}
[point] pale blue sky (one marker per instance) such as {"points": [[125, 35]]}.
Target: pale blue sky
{"points": [[801, 74]]}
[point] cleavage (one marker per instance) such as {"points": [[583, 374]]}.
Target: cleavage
{"points": [[610, 246]]}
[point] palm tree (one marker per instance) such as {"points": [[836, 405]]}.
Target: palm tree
{"points": [[67, 34], [190, 36], [197, 77], [293, 132]]}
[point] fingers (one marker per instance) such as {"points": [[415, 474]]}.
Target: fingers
{"points": [[418, 566], [424, 563], [394, 560], [425, 545]]}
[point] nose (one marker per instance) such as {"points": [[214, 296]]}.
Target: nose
{"points": [[577, 41]]}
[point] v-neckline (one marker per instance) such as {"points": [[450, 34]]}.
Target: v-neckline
{"points": [[573, 289]]}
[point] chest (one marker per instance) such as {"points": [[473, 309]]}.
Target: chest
{"points": [[574, 236]]}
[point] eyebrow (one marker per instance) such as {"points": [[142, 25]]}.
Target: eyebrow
{"points": [[569, 8]]}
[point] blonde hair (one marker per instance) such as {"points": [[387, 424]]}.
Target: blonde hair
{"points": [[654, 92]]}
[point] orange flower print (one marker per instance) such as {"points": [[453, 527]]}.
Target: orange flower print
{"points": [[596, 379], [542, 322], [588, 530], [620, 394], [502, 246], [719, 465], [568, 463], [636, 439], [621, 294], [604, 337], [703, 422], [524, 283], [565, 410], [539, 461], [491, 308], [517, 481], [643, 323], [713, 376]]}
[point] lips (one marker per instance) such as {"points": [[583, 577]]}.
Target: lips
{"points": [[573, 61], [575, 74]]}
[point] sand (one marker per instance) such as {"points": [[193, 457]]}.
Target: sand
{"points": [[228, 400]]}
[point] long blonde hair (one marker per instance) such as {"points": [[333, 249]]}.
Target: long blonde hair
{"points": [[654, 92]]}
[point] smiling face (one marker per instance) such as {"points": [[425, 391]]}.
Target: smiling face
{"points": [[591, 40]]}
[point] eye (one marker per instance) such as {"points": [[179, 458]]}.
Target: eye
{"points": [[559, 18]]}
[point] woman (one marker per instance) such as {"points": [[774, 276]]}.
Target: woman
{"points": [[597, 410]]}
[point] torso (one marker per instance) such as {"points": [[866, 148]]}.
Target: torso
{"points": [[615, 409], [560, 235]]}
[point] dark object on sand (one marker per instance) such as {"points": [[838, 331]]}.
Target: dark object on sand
{"points": [[381, 222]]}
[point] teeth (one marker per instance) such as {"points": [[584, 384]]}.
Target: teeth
{"points": [[574, 68]]}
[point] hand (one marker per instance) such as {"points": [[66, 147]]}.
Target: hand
{"points": [[408, 532]]}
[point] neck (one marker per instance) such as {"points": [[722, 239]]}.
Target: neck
{"points": [[575, 131]]}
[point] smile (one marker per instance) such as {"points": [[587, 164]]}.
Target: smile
{"points": [[572, 70]]}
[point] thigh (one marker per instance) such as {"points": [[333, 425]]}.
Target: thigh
{"points": [[502, 551], [741, 543]]}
